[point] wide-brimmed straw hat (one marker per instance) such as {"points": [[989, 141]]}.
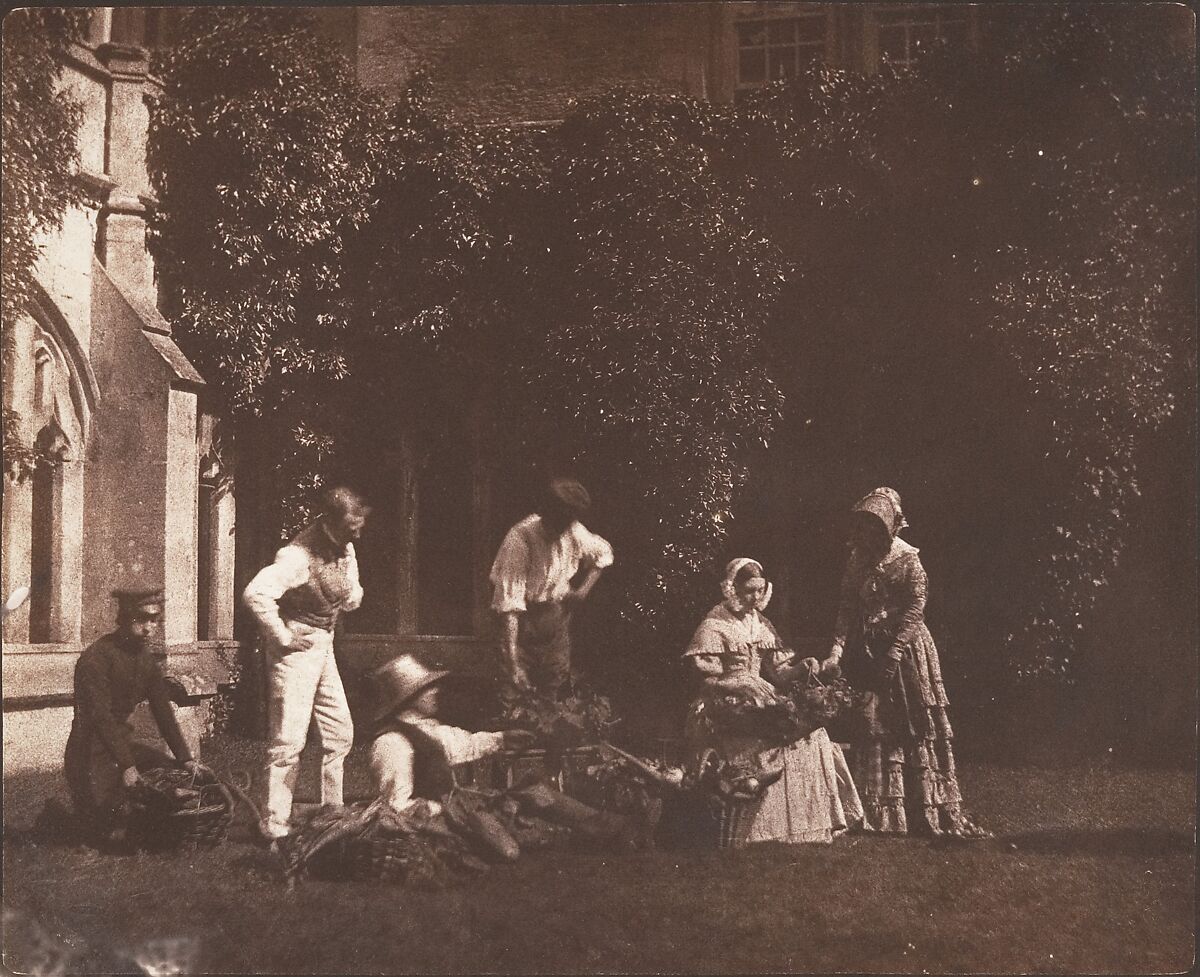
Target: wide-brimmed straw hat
{"points": [[399, 682]]}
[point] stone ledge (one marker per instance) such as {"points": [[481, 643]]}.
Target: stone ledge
{"points": [[82, 56], [97, 186], [45, 674]]}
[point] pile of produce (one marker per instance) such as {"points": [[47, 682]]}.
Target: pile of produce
{"points": [[632, 785], [166, 790], [744, 778], [434, 844], [627, 784], [789, 716], [560, 724], [419, 846]]}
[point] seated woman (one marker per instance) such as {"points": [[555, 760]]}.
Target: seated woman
{"points": [[736, 649]]}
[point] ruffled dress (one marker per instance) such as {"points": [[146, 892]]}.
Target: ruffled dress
{"points": [[815, 798], [902, 756]]}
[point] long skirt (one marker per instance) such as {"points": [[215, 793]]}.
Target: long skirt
{"points": [[902, 754], [813, 801]]}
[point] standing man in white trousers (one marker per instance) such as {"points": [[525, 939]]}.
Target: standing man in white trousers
{"points": [[297, 600]]}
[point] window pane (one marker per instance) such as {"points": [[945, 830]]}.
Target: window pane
{"points": [[204, 558], [783, 63], [41, 556], [955, 32], [810, 53], [781, 31], [444, 540], [752, 65], [753, 34], [922, 37], [812, 29], [892, 43]]}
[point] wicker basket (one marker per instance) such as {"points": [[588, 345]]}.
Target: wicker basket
{"points": [[379, 857], [374, 858], [202, 824], [729, 817]]}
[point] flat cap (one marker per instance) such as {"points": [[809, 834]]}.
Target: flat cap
{"points": [[136, 596], [571, 494]]}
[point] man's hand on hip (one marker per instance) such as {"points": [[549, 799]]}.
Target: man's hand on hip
{"points": [[300, 641]]}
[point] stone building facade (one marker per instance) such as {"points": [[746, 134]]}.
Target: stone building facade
{"points": [[101, 385], [505, 63]]}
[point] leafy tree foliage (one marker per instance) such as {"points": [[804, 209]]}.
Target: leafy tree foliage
{"points": [[971, 280], [40, 157], [262, 150], [437, 270], [652, 368], [988, 304]]}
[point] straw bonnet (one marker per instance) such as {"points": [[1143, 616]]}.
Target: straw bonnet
{"points": [[734, 569], [399, 682], [884, 504]]}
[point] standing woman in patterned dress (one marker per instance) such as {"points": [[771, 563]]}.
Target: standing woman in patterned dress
{"points": [[902, 760]]}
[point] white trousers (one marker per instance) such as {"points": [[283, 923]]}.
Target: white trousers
{"points": [[304, 686]]}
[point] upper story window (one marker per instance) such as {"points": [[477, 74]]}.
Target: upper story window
{"points": [[902, 33], [775, 48]]}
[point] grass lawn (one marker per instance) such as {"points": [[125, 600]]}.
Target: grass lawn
{"points": [[1092, 872]]}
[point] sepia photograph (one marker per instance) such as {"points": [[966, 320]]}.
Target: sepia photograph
{"points": [[600, 488]]}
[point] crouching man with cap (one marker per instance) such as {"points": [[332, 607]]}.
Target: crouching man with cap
{"points": [[112, 677], [297, 600], [535, 586], [412, 753]]}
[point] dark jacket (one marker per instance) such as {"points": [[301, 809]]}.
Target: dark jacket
{"points": [[112, 677]]}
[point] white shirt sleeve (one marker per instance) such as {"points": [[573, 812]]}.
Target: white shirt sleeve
{"points": [[391, 761], [262, 594], [354, 601], [509, 574], [392, 758], [463, 747], [594, 550]]}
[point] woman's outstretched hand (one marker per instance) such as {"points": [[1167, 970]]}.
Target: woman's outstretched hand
{"points": [[798, 673]]}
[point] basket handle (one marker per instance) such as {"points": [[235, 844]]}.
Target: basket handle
{"points": [[231, 792]]}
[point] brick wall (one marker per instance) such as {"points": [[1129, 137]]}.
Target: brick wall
{"points": [[500, 62]]}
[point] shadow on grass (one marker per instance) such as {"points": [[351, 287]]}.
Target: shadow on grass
{"points": [[1100, 841], [55, 826]]}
